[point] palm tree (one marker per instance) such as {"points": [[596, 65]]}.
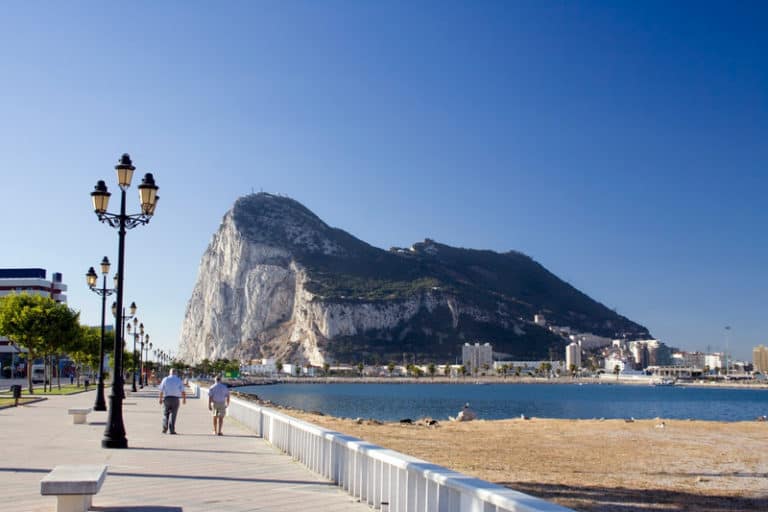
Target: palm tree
{"points": [[279, 367], [360, 368], [326, 369], [617, 371], [447, 370], [431, 369], [463, 370], [390, 367], [573, 370]]}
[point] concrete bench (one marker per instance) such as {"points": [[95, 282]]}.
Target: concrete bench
{"points": [[74, 485], [79, 415]]}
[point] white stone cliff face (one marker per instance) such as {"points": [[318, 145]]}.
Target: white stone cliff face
{"points": [[251, 301]]}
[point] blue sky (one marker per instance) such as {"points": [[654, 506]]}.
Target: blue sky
{"points": [[621, 144]]}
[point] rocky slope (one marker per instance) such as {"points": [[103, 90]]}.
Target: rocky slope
{"points": [[276, 281]]}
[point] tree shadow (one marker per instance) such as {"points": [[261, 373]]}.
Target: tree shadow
{"points": [[621, 499]]}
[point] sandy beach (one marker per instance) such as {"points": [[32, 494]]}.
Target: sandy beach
{"points": [[593, 465]]}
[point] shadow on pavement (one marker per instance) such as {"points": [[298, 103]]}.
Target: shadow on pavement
{"points": [[25, 470], [142, 508], [234, 452], [204, 478]]}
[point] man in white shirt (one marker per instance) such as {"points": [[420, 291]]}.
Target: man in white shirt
{"points": [[171, 389], [218, 401]]}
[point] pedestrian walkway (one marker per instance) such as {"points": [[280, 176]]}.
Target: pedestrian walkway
{"points": [[191, 471]]}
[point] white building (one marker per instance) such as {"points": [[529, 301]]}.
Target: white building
{"points": [[32, 281], [477, 357], [539, 320], [689, 359], [590, 341], [573, 355], [715, 360], [612, 361]]}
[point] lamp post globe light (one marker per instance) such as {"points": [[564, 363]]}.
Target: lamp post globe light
{"points": [[114, 434], [91, 279]]}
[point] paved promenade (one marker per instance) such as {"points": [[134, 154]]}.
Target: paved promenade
{"points": [[192, 471]]}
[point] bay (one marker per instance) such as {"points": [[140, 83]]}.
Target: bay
{"points": [[392, 402]]}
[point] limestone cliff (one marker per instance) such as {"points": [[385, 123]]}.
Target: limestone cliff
{"points": [[276, 281]]}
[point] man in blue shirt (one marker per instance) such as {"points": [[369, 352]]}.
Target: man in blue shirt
{"points": [[218, 401], [171, 389]]}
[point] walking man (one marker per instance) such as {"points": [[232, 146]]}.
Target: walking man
{"points": [[218, 401], [171, 389]]}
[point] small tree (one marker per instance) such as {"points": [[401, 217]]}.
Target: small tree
{"points": [[85, 351], [431, 369], [60, 334], [390, 368], [297, 369], [463, 370], [24, 319], [279, 367], [573, 370], [360, 368], [447, 370], [617, 371], [326, 369]]}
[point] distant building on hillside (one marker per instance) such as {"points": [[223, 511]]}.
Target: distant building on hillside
{"points": [[539, 320], [477, 357], [573, 355], [760, 359], [590, 341]]}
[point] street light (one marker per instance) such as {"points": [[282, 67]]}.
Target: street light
{"points": [[142, 375], [135, 339], [141, 350], [132, 310], [91, 278], [114, 434]]}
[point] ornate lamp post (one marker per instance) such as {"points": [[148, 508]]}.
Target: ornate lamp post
{"points": [[135, 355], [145, 346], [143, 375], [114, 434], [91, 278]]}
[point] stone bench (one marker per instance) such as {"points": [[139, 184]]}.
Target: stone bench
{"points": [[79, 415], [74, 485]]}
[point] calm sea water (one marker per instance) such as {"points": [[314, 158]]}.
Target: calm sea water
{"points": [[389, 402]]}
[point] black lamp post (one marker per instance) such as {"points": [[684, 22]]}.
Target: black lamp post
{"points": [[143, 359], [132, 310], [114, 434], [91, 278], [135, 355], [141, 352]]}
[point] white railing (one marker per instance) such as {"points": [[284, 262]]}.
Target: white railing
{"points": [[384, 479]]}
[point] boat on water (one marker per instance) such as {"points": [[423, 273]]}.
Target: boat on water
{"points": [[665, 381]]}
